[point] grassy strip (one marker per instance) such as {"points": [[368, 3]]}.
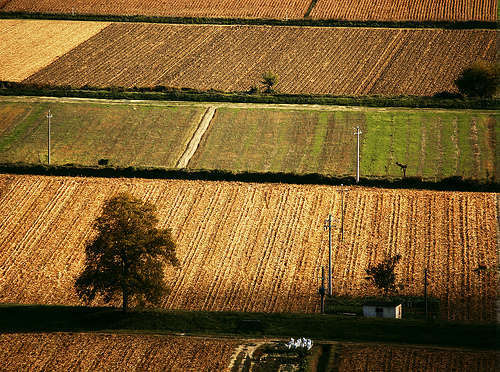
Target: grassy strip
{"points": [[71, 170], [37, 318], [252, 21], [444, 100]]}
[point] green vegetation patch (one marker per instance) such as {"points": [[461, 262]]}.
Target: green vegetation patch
{"points": [[83, 133], [433, 144]]}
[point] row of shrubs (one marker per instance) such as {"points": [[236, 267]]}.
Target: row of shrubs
{"points": [[447, 184], [441, 100], [245, 21]]}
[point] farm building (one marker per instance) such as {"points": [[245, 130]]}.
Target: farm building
{"points": [[382, 310]]}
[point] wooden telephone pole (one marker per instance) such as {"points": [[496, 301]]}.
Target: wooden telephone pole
{"points": [[49, 116]]}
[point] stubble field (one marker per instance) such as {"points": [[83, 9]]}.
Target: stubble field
{"points": [[101, 352], [233, 58], [26, 46], [256, 247]]}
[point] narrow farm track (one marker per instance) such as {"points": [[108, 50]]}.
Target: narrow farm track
{"points": [[256, 247], [340, 61], [195, 141]]}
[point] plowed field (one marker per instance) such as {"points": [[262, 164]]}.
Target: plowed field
{"points": [[94, 352], [26, 46], [341, 61], [406, 10], [378, 10], [278, 9], [391, 358], [256, 247]]}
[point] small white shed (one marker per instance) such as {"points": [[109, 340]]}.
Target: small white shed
{"points": [[383, 310]]}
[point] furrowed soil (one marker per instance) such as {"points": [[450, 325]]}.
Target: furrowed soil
{"points": [[283, 9], [406, 10], [359, 357], [107, 352], [307, 60], [256, 247], [352, 10]]}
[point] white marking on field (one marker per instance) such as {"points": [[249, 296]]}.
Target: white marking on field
{"points": [[195, 141]]}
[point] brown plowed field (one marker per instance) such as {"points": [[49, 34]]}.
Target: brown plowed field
{"points": [[359, 357], [352, 10], [341, 61], [26, 46], [99, 352], [406, 10], [277, 9], [256, 247]]}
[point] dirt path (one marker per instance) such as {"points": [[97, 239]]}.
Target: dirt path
{"points": [[195, 141]]}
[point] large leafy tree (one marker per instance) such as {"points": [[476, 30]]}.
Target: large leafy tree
{"points": [[127, 256], [382, 275]]}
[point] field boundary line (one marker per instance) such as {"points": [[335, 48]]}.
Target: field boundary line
{"points": [[305, 21], [197, 136]]}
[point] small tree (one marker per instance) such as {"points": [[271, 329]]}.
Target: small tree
{"points": [[269, 79], [127, 256], [382, 275], [478, 80]]}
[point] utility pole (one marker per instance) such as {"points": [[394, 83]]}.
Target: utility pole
{"points": [[49, 116], [328, 225], [425, 294], [322, 290], [357, 133]]}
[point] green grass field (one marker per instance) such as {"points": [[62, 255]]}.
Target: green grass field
{"points": [[434, 144], [83, 133]]}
